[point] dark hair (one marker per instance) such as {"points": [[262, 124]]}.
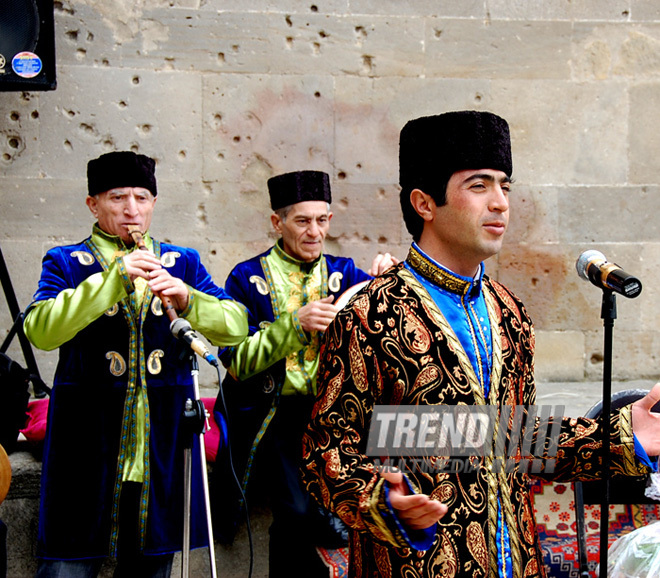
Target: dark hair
{"points": [[415, 223]]}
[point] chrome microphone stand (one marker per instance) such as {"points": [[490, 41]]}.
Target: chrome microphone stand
{"points": [[195, 417]]}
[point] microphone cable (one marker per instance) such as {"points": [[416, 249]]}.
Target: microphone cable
{"points": [[233, 471]]}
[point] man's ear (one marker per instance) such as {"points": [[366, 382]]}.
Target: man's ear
{"points": [[276, 222], [423, 204], [91, 203]]}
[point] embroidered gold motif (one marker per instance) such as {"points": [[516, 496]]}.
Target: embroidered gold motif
{"points": [[140, 284], [334, 281], [169, 259], [476, 543], [260, 284], [332, 463], [113, 310], [157, 306], [117, 363], [438, 276], [447, 560], [334, 387], [84, 258], [429, 374], [414, 333], [358, 367], [153, 362]]}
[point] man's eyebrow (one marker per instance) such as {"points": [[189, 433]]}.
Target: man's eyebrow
{"points": [[488, 177], [305, 216]]}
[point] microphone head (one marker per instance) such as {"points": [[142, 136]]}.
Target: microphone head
{"points": [[179, 326], [585, 259]]}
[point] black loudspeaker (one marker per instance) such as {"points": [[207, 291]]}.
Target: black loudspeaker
{"points": [[27, 45]]}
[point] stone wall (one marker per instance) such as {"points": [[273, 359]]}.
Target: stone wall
{"points": [[225, 94]]}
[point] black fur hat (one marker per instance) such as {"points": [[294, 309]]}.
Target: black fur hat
{"points": [[121, 169], [437, 146], [299, 186]]}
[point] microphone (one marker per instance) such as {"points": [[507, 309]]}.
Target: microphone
{"points": [[181, 329], [593, 266]]}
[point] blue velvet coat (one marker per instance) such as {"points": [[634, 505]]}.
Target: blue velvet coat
{"points": [[92, 399], [252, 403]]}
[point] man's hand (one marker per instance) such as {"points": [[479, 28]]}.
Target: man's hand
{"points": [[381, 263], [416, 511], [163, 284], [146, 265], [646, 424], [317, 315], [141, 263]]}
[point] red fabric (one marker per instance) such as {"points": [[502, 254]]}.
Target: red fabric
{"points": [[37, 415], [212, 436], [35, 424]]}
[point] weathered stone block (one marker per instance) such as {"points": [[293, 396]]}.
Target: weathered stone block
{"points": [[612, 10], [559, 356], [259, 126], [127, 112], [468, 48], [577, 141]]}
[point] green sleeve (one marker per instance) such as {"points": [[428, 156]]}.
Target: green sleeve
{"points": [[267, 346], [51, 323], [222, 321]]}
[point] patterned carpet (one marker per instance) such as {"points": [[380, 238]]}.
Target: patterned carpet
{"points": [[336, 561], [555, 516]]}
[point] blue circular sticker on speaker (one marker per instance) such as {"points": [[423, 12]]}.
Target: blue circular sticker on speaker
{"points": [[26, 64]]}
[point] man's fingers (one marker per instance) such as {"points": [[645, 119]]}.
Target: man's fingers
{"points": [[394, 478], [650, 399]]}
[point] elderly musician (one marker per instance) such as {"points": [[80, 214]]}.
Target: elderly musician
{"points": [[112, 482]]}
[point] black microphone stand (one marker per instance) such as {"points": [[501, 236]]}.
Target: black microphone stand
{"points": [[195, 420], [608, 315], [39, 388]]}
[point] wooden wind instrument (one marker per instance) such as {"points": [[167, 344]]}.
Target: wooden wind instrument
{"points": [[168, 306]]}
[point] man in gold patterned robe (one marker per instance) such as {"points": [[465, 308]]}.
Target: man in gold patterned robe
{"points": [[435, 330]]}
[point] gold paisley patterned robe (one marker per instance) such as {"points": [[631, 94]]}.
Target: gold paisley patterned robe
{"points": [[392, 346]]}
